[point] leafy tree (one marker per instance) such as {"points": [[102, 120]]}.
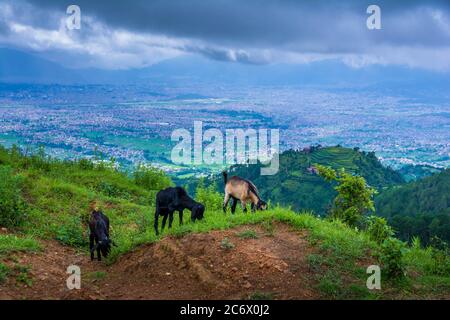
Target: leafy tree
{"points": [[354, 197]]}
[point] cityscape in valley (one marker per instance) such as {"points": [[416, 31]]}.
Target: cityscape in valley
{"points": [[86, 121]]}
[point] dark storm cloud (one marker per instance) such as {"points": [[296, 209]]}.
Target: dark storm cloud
{"points": [[255, 31], [322, 26]]}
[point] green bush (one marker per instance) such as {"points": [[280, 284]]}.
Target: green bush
{"points": [[440, 257], [209, 197], [12, 207], [72, 232], [392, 258], [151, 178], [354, 198], [378, 229]]}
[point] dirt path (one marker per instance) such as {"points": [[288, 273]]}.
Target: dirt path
{"points": [[197, 266]]}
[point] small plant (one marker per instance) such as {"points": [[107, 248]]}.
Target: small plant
{"points": [[269, 227], [4, 272], [23, 274], [72, 232], [247, 234], [392, 258], [261, 296], [315, 262], [96, 275], [226, 244], [440, 257], [378, 229]]}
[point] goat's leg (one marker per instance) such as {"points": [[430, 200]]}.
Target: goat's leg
{"points": [[253, 207], [91, 245], [225, 202], [164, 222], [99, 256], [233, 205], [180, 214], [170, 219], [156, 221], [244, 206]]}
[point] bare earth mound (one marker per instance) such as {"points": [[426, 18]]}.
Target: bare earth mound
{"points": [[230, 264]]}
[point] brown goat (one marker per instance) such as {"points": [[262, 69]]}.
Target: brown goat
{"points": [[239, 189]]}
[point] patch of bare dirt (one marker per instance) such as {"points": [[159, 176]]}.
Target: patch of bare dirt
{"points": [[196, 266]]}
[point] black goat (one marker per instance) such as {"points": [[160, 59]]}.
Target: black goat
{"points": [[99, 227], [176, 199]]}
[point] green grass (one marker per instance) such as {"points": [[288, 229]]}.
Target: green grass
{"points": [[247, 234], [4, 272], [96, 275], [22, 274], [12, 243], [261, 296]]}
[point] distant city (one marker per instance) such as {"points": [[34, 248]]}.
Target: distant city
{"points": [[133, 124]]}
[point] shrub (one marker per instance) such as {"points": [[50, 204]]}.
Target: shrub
{"points": [[72, 232], [354, 197], [209, 197], [12, 207], [392, 258], [440, 257], [226, 244], [378, 229], [151, 178]]}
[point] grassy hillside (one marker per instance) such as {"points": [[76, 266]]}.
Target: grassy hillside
{"points": [[53, 198], [419, 208], [297, 186], [52, 202]]}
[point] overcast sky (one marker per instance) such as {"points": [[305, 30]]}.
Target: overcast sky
{"points": [[138, 33]]}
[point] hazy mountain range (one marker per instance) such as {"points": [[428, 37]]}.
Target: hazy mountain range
{"points": [[20, 67]]}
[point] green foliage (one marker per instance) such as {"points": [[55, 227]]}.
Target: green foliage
{"points": [[226, 244], [378, 229], [72, 233], [22, 274], [211, 199], [248, 234], [96, 275], [419, 208], [354, 197], [392, 258], [151, 178], [58, 194], [13, 243], [12, 206], [261, 296], [4, 272]]}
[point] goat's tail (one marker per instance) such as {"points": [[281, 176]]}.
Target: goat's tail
{"points": [[225, 177]]}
